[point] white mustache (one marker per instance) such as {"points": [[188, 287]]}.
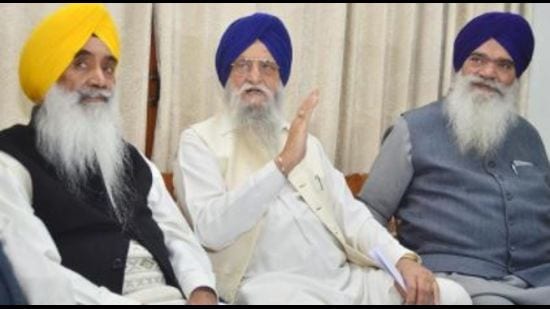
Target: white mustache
{"points": [[493, 85], [91, 93], [262, 88]]}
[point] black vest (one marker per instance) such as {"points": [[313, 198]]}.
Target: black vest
{"points": [[87, 234]]}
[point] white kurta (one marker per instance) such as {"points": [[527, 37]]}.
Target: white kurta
{"points": [[296, 259], [36, 261]]}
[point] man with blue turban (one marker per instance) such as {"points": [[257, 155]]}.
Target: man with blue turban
{"points": [[84, 217], [468, 177], [279, 222]]}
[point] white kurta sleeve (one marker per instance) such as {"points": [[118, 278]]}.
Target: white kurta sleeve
{"points": [[189, 260], [358, 225], [32, 252], [220, 215]]}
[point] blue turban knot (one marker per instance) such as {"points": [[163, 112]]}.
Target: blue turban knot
{"points": [[510, 30], [244, 32]]}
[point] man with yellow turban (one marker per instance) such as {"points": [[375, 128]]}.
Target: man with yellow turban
{"points": [[90, 208], [280, 223]]}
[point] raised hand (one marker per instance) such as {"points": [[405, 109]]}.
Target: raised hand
{"points": [[295, 147]]}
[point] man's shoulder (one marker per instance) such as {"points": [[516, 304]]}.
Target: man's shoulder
{"points": [[525, 130], [16, 138], [427, 110], [523, 122], [136, 156], [213, 129], [215, 124], [206, 122], [207, 134], [17, 129], [131, 148], [425, 118]]}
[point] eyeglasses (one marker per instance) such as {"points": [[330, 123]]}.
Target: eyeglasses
{"points": [[503, 66], [265, 66]]}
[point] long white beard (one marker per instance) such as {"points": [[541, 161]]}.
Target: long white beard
{"points": [[480, 120], [258, 125], [77, 139]]}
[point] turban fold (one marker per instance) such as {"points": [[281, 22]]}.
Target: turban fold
{"points": [[244, 32], [510, 30], [55, 41]]}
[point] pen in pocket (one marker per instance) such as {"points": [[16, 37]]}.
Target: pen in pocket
{"points": [[519, 163]]}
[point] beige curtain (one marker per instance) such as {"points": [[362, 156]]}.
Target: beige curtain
{"points": [[134, 24], [370, 61]]}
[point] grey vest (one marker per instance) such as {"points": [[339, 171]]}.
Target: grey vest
{"points": [[473, 215]]}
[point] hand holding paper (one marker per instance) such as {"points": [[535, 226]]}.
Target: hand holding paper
{"points": [[377, 255]]}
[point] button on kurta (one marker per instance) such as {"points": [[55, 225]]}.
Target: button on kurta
{"points": [[117, 263], [509, 196]]}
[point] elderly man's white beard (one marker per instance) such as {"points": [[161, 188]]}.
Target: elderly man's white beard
{"points": [[259, 125], [77, 139], [480, 119]]}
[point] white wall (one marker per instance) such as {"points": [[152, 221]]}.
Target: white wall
{"points": [[539, 91]]}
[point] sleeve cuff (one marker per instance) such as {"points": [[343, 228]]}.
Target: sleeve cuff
{"points": [[195, 280], [397, 252], [412, 256]]}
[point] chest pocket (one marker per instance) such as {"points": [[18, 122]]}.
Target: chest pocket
{"points": [[530, 172]]}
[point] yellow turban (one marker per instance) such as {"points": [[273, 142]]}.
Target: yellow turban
{"points": [[54, 43]]}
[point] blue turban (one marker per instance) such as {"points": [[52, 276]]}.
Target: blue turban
{"points": [[244, 32], [510, 30]]}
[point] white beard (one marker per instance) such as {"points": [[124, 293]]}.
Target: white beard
{"points": [[479, 119], [258, 125], [77, 139]]}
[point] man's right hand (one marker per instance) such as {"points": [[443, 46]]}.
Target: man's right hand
{"points": [[295, 147], [203, 296]]}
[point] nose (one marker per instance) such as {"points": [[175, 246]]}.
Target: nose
{"points": [[254, 76], [97, 78], [488, 71]]}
